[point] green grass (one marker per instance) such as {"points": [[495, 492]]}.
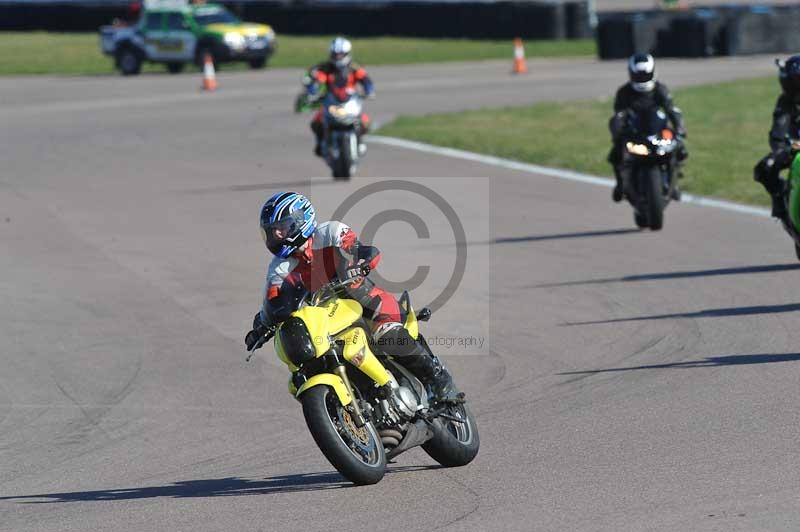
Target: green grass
{"points": [[79, 53], [727, 124]]}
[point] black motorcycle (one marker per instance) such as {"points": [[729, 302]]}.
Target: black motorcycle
{"points": [[650, 166]]}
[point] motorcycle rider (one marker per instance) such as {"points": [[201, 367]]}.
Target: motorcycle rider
{"points": [[340, 76], [642, 92], [308, 255], [785, 119]]}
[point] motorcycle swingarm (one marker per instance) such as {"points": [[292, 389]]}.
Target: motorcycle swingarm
{"points": [[418, 433]]}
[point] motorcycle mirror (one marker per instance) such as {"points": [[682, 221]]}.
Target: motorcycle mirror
{"points": [[424, 314]]}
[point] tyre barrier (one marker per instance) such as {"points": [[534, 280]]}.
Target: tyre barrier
{"points": [[473, 19], [705, 32], [20, 16], [622, 36]]}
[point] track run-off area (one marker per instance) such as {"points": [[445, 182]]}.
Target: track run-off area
{"points": [[622, 380]]}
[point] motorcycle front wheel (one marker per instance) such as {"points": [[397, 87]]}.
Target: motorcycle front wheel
{"points": [[345, 165], [356, 452], [655, 198]]}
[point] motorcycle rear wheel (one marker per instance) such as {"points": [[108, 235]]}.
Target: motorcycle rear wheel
{"points": [[357, 453], [454, 443]]}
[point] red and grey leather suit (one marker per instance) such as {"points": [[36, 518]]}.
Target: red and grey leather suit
{"points": [[332, 249], [340, 82]]}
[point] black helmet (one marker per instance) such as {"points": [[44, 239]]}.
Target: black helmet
{"points": [[789, 75], [642, 72]]}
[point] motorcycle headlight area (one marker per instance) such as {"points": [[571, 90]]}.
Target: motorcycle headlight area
{"points": [[637, 149], [234, 40], [337, 111], [296, 342]]}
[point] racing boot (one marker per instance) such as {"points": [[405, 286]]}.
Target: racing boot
{"points": [[318, 146], [766, 172], [443, 388], [778, 206], [415, 356], [363, 129], [619, 189], [430, 371], [316, 127]]}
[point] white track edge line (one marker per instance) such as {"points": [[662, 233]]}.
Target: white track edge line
{"points": [[558, 173]]}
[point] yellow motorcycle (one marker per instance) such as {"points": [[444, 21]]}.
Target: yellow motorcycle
{"points": [[361, 406]]}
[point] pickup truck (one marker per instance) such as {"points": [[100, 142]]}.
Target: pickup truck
{"points": [[177, 33]]}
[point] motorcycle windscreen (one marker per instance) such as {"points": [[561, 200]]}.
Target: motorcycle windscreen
{"points": [[341, 314], [316, 321], [329, 319]]}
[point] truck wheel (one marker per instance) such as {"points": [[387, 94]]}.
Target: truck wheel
{"points": [[259, 62], [129, 61], [175, 68]]}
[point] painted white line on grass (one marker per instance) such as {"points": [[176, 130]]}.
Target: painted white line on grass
{"points": [[558, 173]]}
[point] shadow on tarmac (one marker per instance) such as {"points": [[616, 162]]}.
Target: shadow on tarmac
{"points": [[298, 184], [215, 487], [710, 362], [743, 270], [563, 236], [708, 313]]}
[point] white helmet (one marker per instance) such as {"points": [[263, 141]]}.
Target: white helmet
{"points": [[341, 52], [642, 72]]}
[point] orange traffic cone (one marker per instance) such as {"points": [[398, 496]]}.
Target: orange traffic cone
{"points": [[520, 67], [209, 76]]}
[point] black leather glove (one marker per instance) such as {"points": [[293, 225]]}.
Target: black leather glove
{"points": [[254, 336], [359, 270], [683, 153]]}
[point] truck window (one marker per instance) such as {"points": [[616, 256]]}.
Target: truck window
{"points": [[175, 21], [214, 16], [152, 21]]}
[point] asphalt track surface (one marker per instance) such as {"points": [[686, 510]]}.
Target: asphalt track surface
{"points": [[629, 380]]}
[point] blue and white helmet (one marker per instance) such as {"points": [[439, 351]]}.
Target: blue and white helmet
{"points": [[287, 221]]}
